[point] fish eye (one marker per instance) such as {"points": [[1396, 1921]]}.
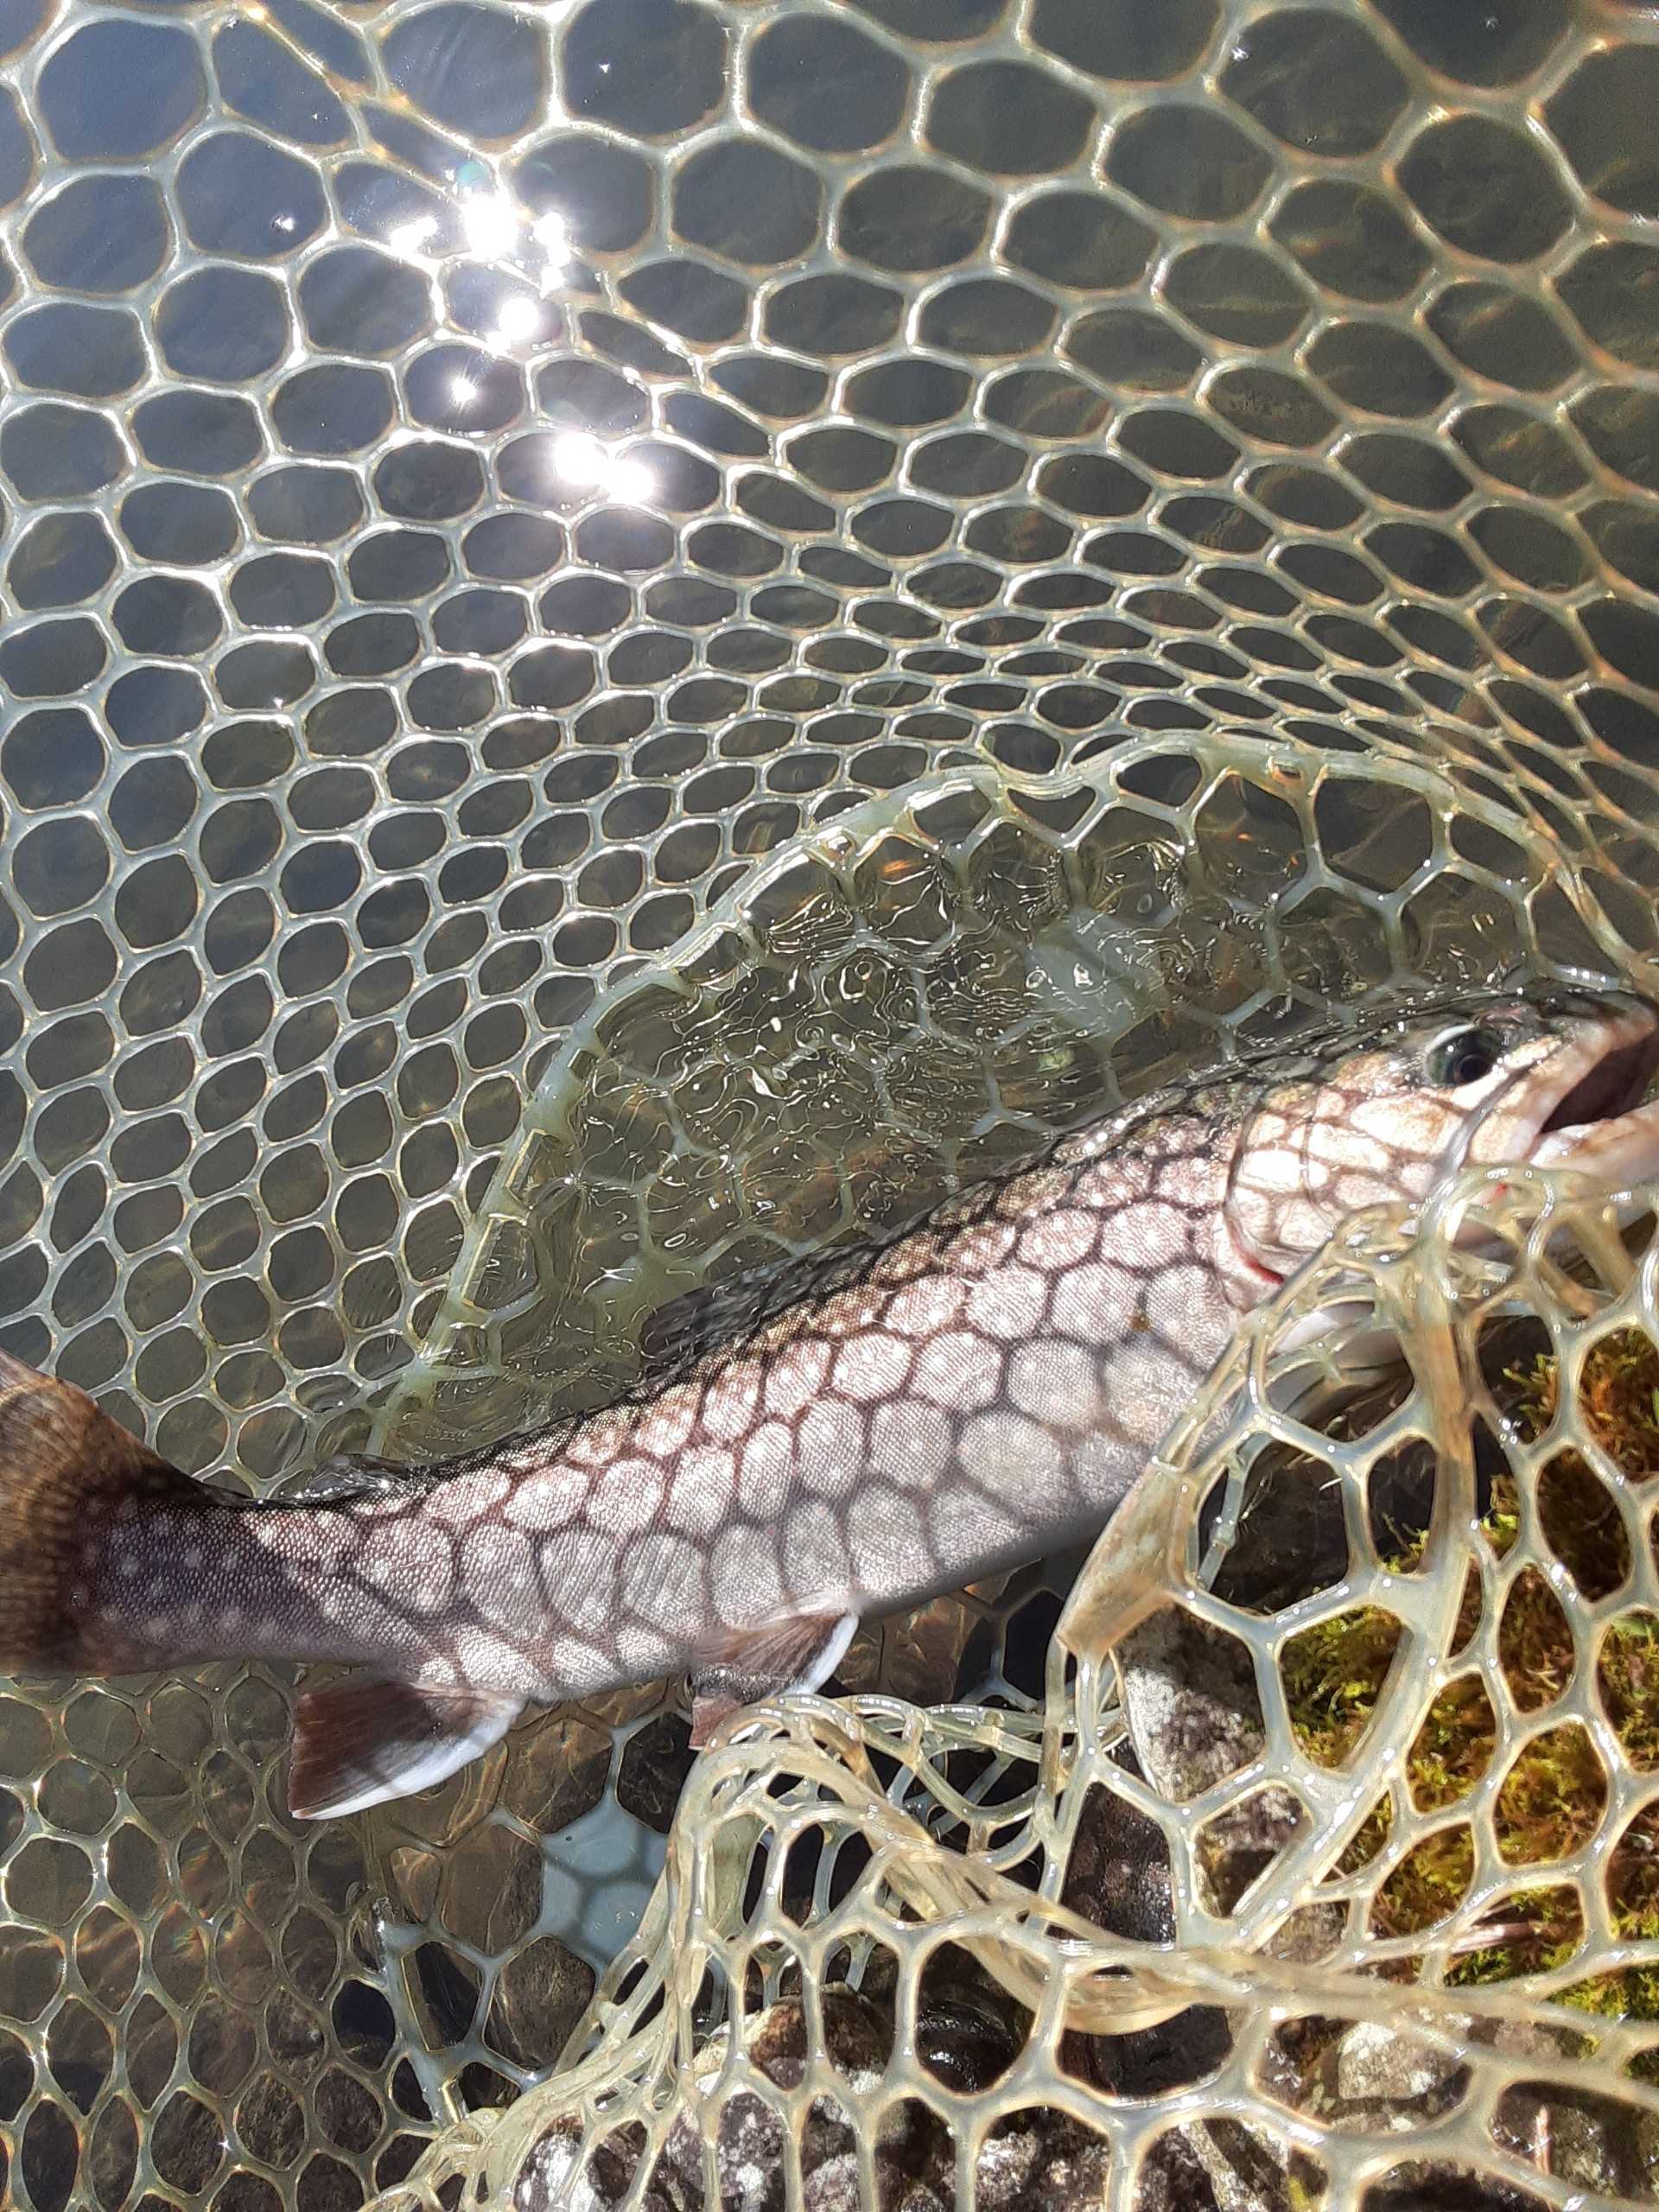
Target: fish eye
{"points": [[1463, 1056]]}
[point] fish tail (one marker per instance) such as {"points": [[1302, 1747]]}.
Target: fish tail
{"points": [[65, 1466]]}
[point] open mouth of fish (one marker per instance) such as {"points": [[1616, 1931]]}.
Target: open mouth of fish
{"points": [[1586, 1107], [1593, 1112]]}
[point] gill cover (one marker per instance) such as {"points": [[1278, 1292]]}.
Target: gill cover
{"points": [[1472, 1082]]}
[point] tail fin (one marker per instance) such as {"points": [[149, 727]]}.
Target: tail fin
{"points": [[65, 1466]]}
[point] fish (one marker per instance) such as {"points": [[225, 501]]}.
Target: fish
{"points": [[981, 1390]]}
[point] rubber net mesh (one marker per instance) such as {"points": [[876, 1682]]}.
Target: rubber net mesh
{"points": [[912, 1958], [640, 635]]}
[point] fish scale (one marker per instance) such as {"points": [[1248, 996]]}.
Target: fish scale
{"points": [[984, 1389], [1020, 1331]]}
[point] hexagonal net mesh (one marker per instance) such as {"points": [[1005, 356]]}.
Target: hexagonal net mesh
{"points": [[638, 637], [1194, 1929]]}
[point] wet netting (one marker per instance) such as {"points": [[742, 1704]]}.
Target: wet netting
{"points": [[637, 636], [1326, 1883]]}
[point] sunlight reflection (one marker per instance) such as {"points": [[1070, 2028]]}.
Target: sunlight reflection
{"points": [[491, 225], [518, 318], [408, 238], [584, 461], [495, 229]]}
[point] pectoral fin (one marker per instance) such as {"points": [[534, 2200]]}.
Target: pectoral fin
{"points": [[1346, 1356], [363, 1740], [735, 1666]]}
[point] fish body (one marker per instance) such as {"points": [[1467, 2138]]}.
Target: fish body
{"points": [[982, 1390]]}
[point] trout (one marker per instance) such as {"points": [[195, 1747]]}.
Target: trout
{"points": [[981, 1390]]}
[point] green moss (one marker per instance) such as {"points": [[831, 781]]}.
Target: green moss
{"points": [[1619, 1399], [1552, 1799], [1627, 1675], [1633, 1879], [1333, 1673], [1632, 1994], [1534, 1643], [1533, 1932], [1430, 1882], [1554, 1795], [1454, 1746]]}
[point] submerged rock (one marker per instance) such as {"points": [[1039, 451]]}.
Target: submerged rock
{"points": [[1037, 2159]]}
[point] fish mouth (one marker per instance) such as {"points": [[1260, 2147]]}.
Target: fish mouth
{"points": [[1594, 1115]]}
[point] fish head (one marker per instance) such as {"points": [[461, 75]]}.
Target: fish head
{"points": [[1553, 1077]]}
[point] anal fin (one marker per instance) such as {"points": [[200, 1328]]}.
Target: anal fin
{"points": [[362, 1740], [735, 1666]]}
